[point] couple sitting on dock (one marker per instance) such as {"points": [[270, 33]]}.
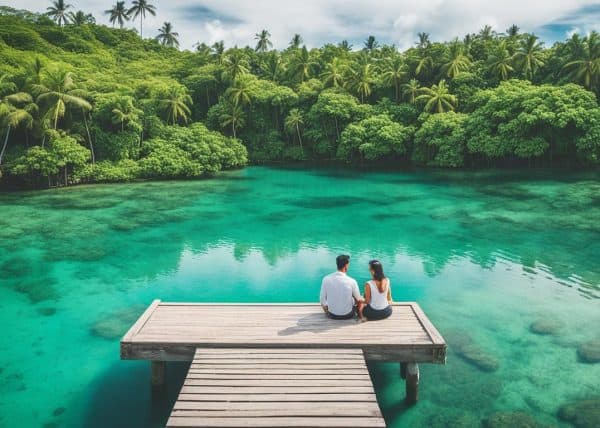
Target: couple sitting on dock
{"points": [[341, 298]]}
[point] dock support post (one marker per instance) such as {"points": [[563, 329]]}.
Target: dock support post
{"points": [[157, 369], [412, 383], [403, 370]]}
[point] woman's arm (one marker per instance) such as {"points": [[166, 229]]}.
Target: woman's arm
{"points": [[389, 293], [367, 293]]}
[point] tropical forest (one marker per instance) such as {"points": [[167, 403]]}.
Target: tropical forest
{"points": [[82, 102]]}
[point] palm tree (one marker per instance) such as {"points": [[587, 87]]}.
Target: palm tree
{"points": [[586, 68], [15, 111], [174, 105], [486, 33], [529, 55], [272, 66], [512, 31], [333, 75], [58, 12], [235, 65], [118, 14], [124, 112], [293, 123], [301, 64], [411, 89], [437, 98], [393, 71], [57, 92], [140, 8], [234, 118], [345, 45], [500, 62], [425, 63], [361, 80], [457, 61], [218, 50], [240, 92], [263, 43], [371, 44], [81, 18], [6, 85], [34, 72], [296, 41], [424, 41], [167, 37]]}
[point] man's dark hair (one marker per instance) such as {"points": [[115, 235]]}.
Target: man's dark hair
{"points": [[342, 261]]}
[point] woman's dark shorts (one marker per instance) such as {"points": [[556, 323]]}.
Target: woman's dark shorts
{"points": [[377, 314]]}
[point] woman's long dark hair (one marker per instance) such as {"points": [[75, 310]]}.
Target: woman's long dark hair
{"points": [[378, 274]]}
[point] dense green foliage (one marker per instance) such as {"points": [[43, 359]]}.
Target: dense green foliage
{"points": [[132, 106]]}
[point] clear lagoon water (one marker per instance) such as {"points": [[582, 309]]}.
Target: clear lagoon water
{"points": [[494, 259]]}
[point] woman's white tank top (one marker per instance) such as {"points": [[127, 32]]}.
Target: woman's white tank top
{"points": [[378, 300]]}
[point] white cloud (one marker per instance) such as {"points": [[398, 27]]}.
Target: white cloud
{"points": [[319, 21]]}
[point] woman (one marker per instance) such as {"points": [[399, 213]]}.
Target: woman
{"points": [[378, 295]]}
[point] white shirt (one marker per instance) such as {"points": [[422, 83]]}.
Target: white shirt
{"points": [[337, 292], [378, 300]]}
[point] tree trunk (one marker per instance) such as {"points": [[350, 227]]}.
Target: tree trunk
{"points": [[233, 129], [337, 129], [87, 129], [4, 145], [65, 172], [397, 92], [299, 138], [141, 32]]}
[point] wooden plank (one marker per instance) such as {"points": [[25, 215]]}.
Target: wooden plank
{"points": [[277, 397], [275, 372], [268, 390], [435, 335], [292, 383], [368, 407], [141, 321], [277, 422], [323, 411], [279, 360], [270, 376], [169, 351]]}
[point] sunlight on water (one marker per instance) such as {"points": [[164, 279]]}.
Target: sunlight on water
{"points": [[505, 266]]}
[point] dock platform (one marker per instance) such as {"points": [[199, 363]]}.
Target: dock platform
{"points": [[251, 359]]}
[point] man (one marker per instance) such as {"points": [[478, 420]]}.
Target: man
{"points": [[339, 292]]}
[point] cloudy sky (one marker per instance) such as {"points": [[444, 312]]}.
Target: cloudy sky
{"points": [[320, 21]]}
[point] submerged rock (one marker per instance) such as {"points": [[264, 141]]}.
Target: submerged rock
{"points": [[589, 352], [116, 324], [37, 289], [510, 420], [453, 420], [545, 326], [582, 414], [478, 357], [58, 411], [47, 312]]}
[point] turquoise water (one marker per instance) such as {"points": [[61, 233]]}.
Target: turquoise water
{"points": [[485, 254]]}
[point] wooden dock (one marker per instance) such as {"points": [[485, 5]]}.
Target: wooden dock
{"points": [[262, 387], [250, 357]]}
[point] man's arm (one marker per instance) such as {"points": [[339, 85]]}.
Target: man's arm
{"points": [[323, 297], [356, 292]]}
